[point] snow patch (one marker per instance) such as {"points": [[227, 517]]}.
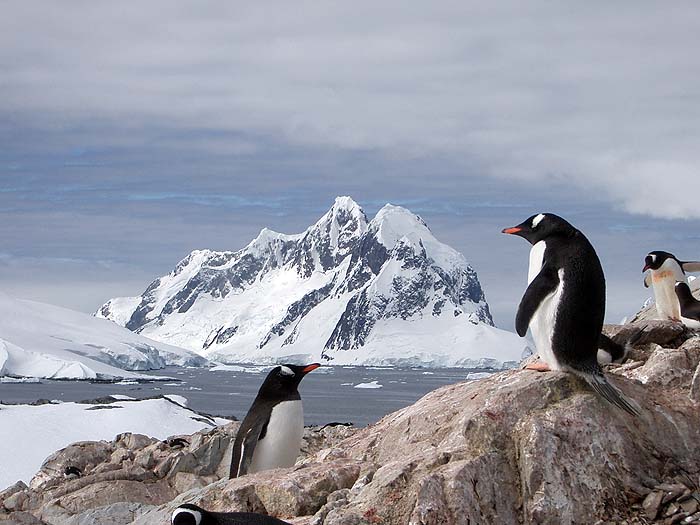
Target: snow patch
{"points": [[370, 385], [24, 448]]}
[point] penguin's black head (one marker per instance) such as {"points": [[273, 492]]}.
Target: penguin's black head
{"points": [[540, 226], [189, 514], [655, 259], [284, 379]]}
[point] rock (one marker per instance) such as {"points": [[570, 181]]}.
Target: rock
{"points": [[133, 441], [84, 455], [694, 392], [103, 494], [517, 447], [517, 436], [665, 367], [297, 491], [11, 490], [647, 331], [690, 506], [115, 514], [16, 501], [20, 518]]}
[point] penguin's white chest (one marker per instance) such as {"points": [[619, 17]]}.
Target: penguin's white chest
{"points": [[280, 446], [663, 281], [545, 317]]}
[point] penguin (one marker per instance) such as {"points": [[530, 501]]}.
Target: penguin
{"points": [[564, 303], [665, 271], [189, 514], [610, 351], [270, 435], [72, 472], [689, 305]]}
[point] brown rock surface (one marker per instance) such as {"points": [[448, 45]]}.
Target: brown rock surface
{"points": [[517, 447]]}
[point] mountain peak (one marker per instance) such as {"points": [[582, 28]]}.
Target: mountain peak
{"points": [[344, 290]]}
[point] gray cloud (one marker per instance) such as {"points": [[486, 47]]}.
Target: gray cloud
{"points": [[132, 134], [605, 98]]}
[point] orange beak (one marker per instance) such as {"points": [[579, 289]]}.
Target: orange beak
{"points": [[512, 230], [310, 367]]}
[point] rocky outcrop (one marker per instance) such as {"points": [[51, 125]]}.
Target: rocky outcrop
{"points": [[97, 482], [517, 447]]}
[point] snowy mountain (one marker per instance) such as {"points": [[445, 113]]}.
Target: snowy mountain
{"points": [[41, 340], [347, 290]]}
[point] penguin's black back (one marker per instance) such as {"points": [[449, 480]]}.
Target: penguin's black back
{"points": [[690, 307], [581, 307], [189, 514], [245, 518]]}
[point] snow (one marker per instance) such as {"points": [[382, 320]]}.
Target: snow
{"points": [[29, 434], [45, 341], [456, 336], [370, 385], [240, 368], [472, 376]]}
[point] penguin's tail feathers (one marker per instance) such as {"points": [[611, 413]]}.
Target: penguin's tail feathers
{"points": [[605, 389]]}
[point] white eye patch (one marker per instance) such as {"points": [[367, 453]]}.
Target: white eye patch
{"points": [[194, 513], [653, 257], [286, 371], [537, 220]]}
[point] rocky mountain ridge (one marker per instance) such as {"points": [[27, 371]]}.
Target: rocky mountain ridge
{"points": [[342, 291]]}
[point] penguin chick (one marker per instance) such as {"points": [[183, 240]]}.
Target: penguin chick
{"points": [[270, 434], [189, 514], [665, 270], [689, 305], [564, 303]]}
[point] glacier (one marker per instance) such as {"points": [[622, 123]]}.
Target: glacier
{"points": [[45, 341]]}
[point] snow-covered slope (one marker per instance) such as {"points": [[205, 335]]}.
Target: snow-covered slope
{"points": [[29, 434], [347, 290], [41, 340]]}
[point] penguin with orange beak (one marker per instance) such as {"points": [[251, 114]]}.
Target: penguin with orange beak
{"points": [[271, 432]]}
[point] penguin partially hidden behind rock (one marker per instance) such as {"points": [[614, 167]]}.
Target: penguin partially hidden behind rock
{"points": [[189, 514], [564, 303], [689, 306], [665, 270], [270, 435]]}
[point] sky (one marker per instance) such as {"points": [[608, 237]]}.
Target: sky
{"points": [[133, 133]]}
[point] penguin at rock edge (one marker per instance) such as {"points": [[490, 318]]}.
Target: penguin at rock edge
{"points": [[189, 514], [270, 434], [564, 303]]}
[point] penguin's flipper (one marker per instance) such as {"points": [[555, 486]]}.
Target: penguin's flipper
{"points": [[647, 280], [690, 266], [245, 444], [600, 384], [541, 286]]}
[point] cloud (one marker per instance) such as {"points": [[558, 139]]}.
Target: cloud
{"points": [[602, 99]]}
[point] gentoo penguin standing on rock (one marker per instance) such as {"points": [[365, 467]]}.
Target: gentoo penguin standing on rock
{"points": [[270, 435], [665, 272], [690, 306], [564, 303], [189, 514]]}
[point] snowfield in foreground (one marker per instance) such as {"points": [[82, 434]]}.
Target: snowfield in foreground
{"points": [[29, 434], [46, 341]]}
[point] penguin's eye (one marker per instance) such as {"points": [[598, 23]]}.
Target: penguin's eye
{"points": [[286, 371]]}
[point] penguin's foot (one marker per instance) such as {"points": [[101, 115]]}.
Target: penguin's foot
{"points": [[540, 366]]}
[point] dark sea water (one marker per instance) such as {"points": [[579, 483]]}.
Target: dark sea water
{"points": [[328, 392]]}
